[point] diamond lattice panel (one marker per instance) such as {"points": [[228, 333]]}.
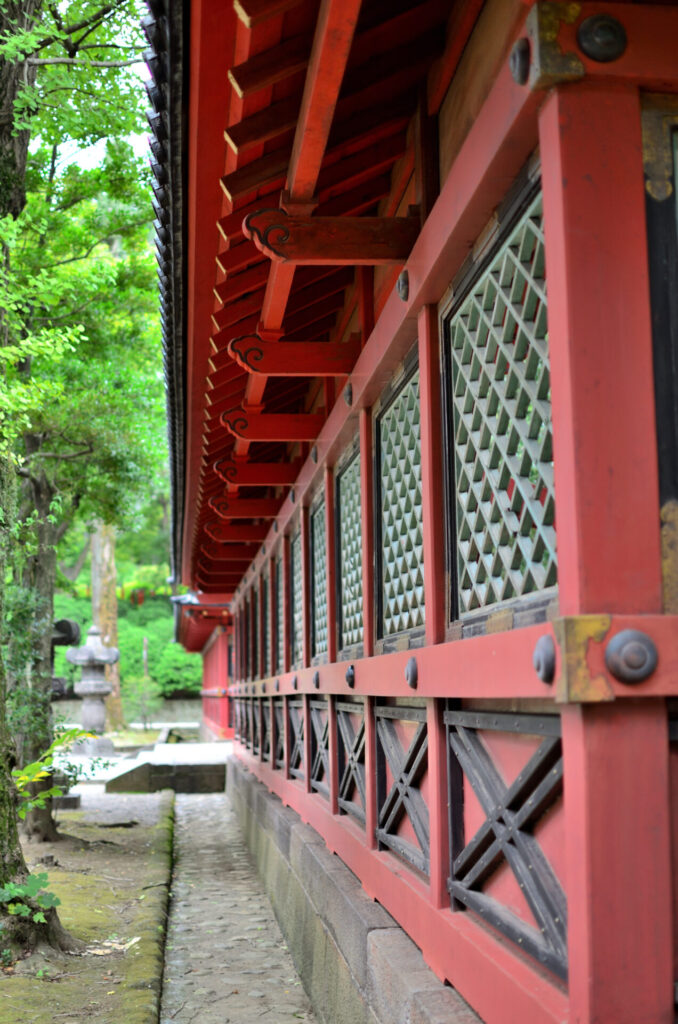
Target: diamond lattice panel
{"points": [[401, 530], [279, 617], [350, 554], [506, 538], [296, 603], [319, 572]]}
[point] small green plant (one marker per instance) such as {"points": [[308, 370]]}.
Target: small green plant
{"points": [[14, 897], [6, 957], [43, 768]]}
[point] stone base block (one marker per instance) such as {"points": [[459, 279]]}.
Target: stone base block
{"points": [[182, 778], [356, 963]]}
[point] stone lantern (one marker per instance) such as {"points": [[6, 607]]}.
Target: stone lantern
{"points": [[93, 657]]}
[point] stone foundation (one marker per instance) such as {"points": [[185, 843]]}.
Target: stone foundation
{"points": [[357, 965]]}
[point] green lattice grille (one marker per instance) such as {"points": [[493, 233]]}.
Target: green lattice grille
{"points": [[319, 579], [267, 667], [350, 555], [279, 617], [402, 545], [296, 598], [506, 540]]}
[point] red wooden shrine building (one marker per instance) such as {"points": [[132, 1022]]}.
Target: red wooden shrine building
{"points": [[418, 267]]}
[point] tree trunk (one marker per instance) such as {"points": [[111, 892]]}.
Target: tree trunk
{"points": [[105, 613]]}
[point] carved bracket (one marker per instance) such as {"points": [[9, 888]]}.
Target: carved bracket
{"points": [[294, 359]]}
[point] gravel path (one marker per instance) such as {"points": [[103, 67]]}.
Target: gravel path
{"points": [[226, 961]]}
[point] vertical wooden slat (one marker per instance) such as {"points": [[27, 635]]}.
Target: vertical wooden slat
{"points": [[432, 490], [287, 736], [273, 616], [331, 562], [367, 528]]}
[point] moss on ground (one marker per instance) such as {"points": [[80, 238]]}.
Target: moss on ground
{"points": [[113, 884]]}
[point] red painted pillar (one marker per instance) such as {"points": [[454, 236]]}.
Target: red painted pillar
{"points": [[616, 756]]}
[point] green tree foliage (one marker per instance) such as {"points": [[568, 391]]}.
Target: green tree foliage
{"points": [[80, 381]]}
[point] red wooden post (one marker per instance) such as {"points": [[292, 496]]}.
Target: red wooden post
{"points": [[331, 566], [367, 529], [600, 344], [617, 803], [259, 711], [305, 588], [437, 805], [432, 474], [370, 775], [615, 757]]}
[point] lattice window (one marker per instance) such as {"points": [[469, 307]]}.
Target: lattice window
{"points": [[402, 764], [267, 667], [530, 908], [320, 757], [503, 459], [279, 617], [254, 599], [350, 555], [351, 750], [296, 598], [319, 579], [402, 543]]}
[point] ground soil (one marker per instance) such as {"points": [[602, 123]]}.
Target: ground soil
{"points": [[111, 871]]}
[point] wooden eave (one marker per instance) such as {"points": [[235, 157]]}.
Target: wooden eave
{"points": [[307, 107]]}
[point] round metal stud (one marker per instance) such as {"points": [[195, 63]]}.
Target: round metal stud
{"points": [[263, 687], [316, 679], [277, 685], [314, 453], [544, 658], [602, 38], [275, 527], [519, 62], [631, 656], [403, 286], [293, 496], [412, 673], [294, 682], [350, 676], [348, 394]]}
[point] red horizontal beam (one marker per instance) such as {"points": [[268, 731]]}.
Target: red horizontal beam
{"points": [[332, 241], [296, 359], [253, 12], [257, 474], [219, 552], [271, 66], [255, 427], [245, 508], [228, 533]]}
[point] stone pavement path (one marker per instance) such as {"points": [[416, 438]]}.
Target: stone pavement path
{"points": [[226, 961]]}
